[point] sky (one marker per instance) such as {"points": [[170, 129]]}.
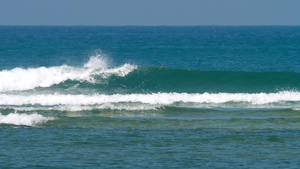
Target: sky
{"points": [[149, 12]]}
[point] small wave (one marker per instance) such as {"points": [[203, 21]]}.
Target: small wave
{"points": [[152, 99], [108, 106], [23, 119], [20, 79]]}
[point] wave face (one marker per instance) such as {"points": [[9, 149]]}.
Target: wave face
{"points": [[196, 81]]}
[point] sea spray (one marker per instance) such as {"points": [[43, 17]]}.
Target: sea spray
{"points": [[97, 61]]}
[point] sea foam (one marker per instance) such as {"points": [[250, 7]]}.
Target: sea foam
{"points": [[153, 99], [23, 119], [19, 79]]}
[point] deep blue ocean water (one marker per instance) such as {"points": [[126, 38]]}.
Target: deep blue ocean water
{"points": [[149, 97]]}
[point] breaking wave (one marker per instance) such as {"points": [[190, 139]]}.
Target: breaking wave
{"points": [[147, 101], [23, 119], [19, 79]]}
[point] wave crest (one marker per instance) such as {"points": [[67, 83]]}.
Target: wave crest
{"points": [[20, 79], [23, 119], [153, 99]]}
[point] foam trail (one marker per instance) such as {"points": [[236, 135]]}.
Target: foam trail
{"points": [[87, 107], [23, 119], [19, 79], [154, 98]]}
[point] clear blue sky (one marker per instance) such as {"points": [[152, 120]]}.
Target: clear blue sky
{"points": [[150, 12]]}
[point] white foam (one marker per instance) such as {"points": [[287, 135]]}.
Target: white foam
{"points": [[296, 108], [24, 79], [23, 119], [106, 106], [119, 71], [88, 107], [19, 79], [153, 99]]}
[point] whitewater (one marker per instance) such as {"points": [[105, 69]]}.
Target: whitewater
{"points": [[19, 79], [23, 119], [154, 98]]}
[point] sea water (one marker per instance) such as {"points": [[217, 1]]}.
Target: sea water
{"points": [[149, 97]]}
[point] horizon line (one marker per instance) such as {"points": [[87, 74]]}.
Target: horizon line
{"points": [[151, 25]]}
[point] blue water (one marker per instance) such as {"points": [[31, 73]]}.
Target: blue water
{"points": [[149, 97]]}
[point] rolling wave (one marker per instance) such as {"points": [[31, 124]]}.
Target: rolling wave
{"points": [[131, 79], [95, 85], [20, 79], [151, 101], [23, 119]]}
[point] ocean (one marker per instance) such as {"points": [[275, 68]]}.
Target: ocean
{"points": [[150, 97]]}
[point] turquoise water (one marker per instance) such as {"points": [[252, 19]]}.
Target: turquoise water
{"points": [[149, 97]]}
